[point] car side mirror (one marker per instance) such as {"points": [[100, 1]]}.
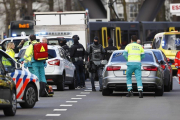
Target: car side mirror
{"points": [[17, 66], [103, 62]]}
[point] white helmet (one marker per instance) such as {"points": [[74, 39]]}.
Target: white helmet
{"points": [[23, 34]]}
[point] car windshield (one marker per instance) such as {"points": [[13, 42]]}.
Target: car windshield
{"points": [[171, 42], [158, 55], [118, 57], [51, 53], [16, 43]]}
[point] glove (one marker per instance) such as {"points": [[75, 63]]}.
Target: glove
{"points": [[45, 64], [177, 67], [22, 59]]}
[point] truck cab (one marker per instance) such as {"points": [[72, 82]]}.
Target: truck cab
{"points": [[169, 43]]}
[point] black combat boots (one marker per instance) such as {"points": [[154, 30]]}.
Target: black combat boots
{"points": [[130, 93], [140, 94]]}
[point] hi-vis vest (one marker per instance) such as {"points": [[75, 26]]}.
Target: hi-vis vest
{"points": [[11, 53], [134, 52], [177, 59]]}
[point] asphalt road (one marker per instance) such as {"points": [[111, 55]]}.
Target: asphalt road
{"points": [[67, 105]]}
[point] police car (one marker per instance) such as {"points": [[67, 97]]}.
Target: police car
{"points": [[60, 70], [27, 84], [8, 101]]}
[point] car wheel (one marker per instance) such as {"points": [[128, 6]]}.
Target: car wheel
{"points": [[11, 111], [60, 85], [107, 92], [73, 85], [159, 92], [30, 97], [168, 87]]}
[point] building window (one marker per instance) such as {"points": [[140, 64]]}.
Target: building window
{"points": [[133, 10]]}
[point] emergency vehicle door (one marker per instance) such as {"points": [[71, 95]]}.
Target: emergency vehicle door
{"points": [[118, 37], [9, 66], [1, 82], [104, 37]]}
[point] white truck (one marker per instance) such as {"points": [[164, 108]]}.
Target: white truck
{"points": [[62, 24]]}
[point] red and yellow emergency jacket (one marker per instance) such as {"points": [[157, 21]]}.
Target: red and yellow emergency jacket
{"points": [[177, 59]]}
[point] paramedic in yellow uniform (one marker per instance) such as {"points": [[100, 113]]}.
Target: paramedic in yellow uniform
{"points": [[37, 66], [133, 54], [9, 49]]}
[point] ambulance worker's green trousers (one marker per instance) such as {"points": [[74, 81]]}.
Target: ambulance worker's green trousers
{"points": [[31, 70], [137, 70]]}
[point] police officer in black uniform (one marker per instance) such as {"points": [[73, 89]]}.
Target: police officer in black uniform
{"points": [[110, 49], [96, 53], [77, 54], [65, 46]]}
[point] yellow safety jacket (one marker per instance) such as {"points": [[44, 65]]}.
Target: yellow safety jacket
{"points": [[29, 52], [11, 53], [134, 51]]}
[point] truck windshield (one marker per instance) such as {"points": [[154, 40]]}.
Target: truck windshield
{"points": [[171, 42]]}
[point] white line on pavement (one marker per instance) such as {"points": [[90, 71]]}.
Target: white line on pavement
{"points": [[88, 90], [85, 92], [60, 110], [65, 105], [53, 114], [80, 95], [76, 98], [71, 101]]}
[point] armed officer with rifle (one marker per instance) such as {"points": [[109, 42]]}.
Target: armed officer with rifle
{"points": [[96, 53]]}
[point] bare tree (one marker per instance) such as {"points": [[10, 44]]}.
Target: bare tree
{"points": [[68, 5], [10, 11], [51, 5]]}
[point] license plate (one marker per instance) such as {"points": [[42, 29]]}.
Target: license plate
{"points": [[124, 72]]}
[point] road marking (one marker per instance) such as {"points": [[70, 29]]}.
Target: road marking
{"points": [[71, 101], [80, 95], [60, 110], [88, 90], [97, 86], [85, 92], [76, 98], [53, 114], [65, 105]]}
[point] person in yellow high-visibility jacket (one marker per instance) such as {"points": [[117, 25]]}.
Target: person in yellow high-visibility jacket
{"points": [[11, 53], [133, 54], [37, 66], [9, 49]]}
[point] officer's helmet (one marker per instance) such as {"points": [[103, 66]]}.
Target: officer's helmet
{"points": [[23, 34], [75, 37]]}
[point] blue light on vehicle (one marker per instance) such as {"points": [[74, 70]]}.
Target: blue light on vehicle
{"points": [[43, 33], [14, 35]]}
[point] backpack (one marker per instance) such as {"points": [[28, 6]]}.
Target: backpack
{"points": [[40, 51]]}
